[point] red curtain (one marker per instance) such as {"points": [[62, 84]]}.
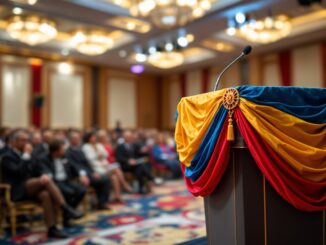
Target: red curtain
{"points": [[183, 78], [285, 67], [323, 53], [204, 80], [36, 90]]}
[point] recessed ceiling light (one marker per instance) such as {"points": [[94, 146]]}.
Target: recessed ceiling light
{"points": [[231, 31], [65, 68], [31, 2], [182, 41], [240, 17], [152, 49], [140, 57], [190, 37], [123, 53], [17, 10], [169, 47]]}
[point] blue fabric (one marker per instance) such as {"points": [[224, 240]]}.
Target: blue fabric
{"points": [[206, 148], [309, 104]]}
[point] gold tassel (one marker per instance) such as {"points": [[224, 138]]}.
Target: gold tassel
{"points": [[230, 135]]}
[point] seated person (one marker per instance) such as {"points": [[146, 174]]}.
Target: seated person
{"points": [[132, 161], [97, 157], [165, 155], [28, 182], [40, 150], [87, 176], [63, 173], [113, 166]]}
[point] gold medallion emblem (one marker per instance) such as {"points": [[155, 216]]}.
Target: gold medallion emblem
{"points": [[231, 98]]}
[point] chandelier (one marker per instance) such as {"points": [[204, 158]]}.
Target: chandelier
{"points": [[169, 13], [31, 29], [92, 42], [166, 59], [267, 30]]}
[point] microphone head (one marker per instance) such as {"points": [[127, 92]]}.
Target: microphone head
{"points": [[247, 50]]}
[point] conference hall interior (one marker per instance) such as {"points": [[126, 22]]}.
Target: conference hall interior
{"points": [[122, 123]]}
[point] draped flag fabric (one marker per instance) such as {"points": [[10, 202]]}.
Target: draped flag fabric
{"points": [[284, 129]]}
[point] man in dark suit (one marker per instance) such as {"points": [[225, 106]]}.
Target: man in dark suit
{"points": [[29, 180], [87, 176], [131, 160], [42, 149], [63, 173]]}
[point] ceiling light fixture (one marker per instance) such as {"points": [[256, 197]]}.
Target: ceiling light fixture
{"points": [[266, 30], [140, 57], [182, 41], [240, 17], [91, 42], [31, 29], [169, 13], [169, 46], [17, 10], [166, 60]]}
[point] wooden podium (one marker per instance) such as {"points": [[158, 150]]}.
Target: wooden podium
{"points": [[245, 210]]}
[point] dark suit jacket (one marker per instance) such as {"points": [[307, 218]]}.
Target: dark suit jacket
{"points": [[40, 151], [123, 154], [48, 163], [16, 171], [77, 157]]}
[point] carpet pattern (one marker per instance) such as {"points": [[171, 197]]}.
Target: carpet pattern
{"points": [[169, 216]]}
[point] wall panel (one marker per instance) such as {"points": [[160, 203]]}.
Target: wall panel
{"points": [[66, 100], [193, 83], [15, 95], [122, 102], [307, 66]]}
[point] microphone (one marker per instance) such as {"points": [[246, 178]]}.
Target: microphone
{"points": [[245, 52]]}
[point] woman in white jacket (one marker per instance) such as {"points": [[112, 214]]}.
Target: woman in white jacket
{"points": [[97, 157]]}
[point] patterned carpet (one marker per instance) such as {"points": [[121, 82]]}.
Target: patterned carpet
{"points": [[169, 216]]}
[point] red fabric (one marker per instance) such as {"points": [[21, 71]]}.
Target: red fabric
{"points": [[183, 79], [111, 153], [204, 80], [215, 168], [36, 89], [285, 68], [324, 62], [301, 193]]}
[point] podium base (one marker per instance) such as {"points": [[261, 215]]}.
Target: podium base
{"points": [[245, 210]]}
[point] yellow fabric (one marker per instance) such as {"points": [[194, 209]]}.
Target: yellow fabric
{"points": [[301, 144], [195, 114]]}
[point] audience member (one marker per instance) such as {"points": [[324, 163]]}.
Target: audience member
{"points": [[97, 156], [132, 161], [63, 173], [113, 166], [29, 181], [165, 155], [42, 149], [87, 176]]}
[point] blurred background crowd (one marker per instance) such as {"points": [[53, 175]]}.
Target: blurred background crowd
{"points": [[59, 167]]}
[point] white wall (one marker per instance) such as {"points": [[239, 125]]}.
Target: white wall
{"points": [[15, 95], [122, 103], [66, 100], [307, 66]]}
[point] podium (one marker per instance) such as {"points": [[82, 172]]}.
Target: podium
{"points": [[258, 157], [245, 210]]}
